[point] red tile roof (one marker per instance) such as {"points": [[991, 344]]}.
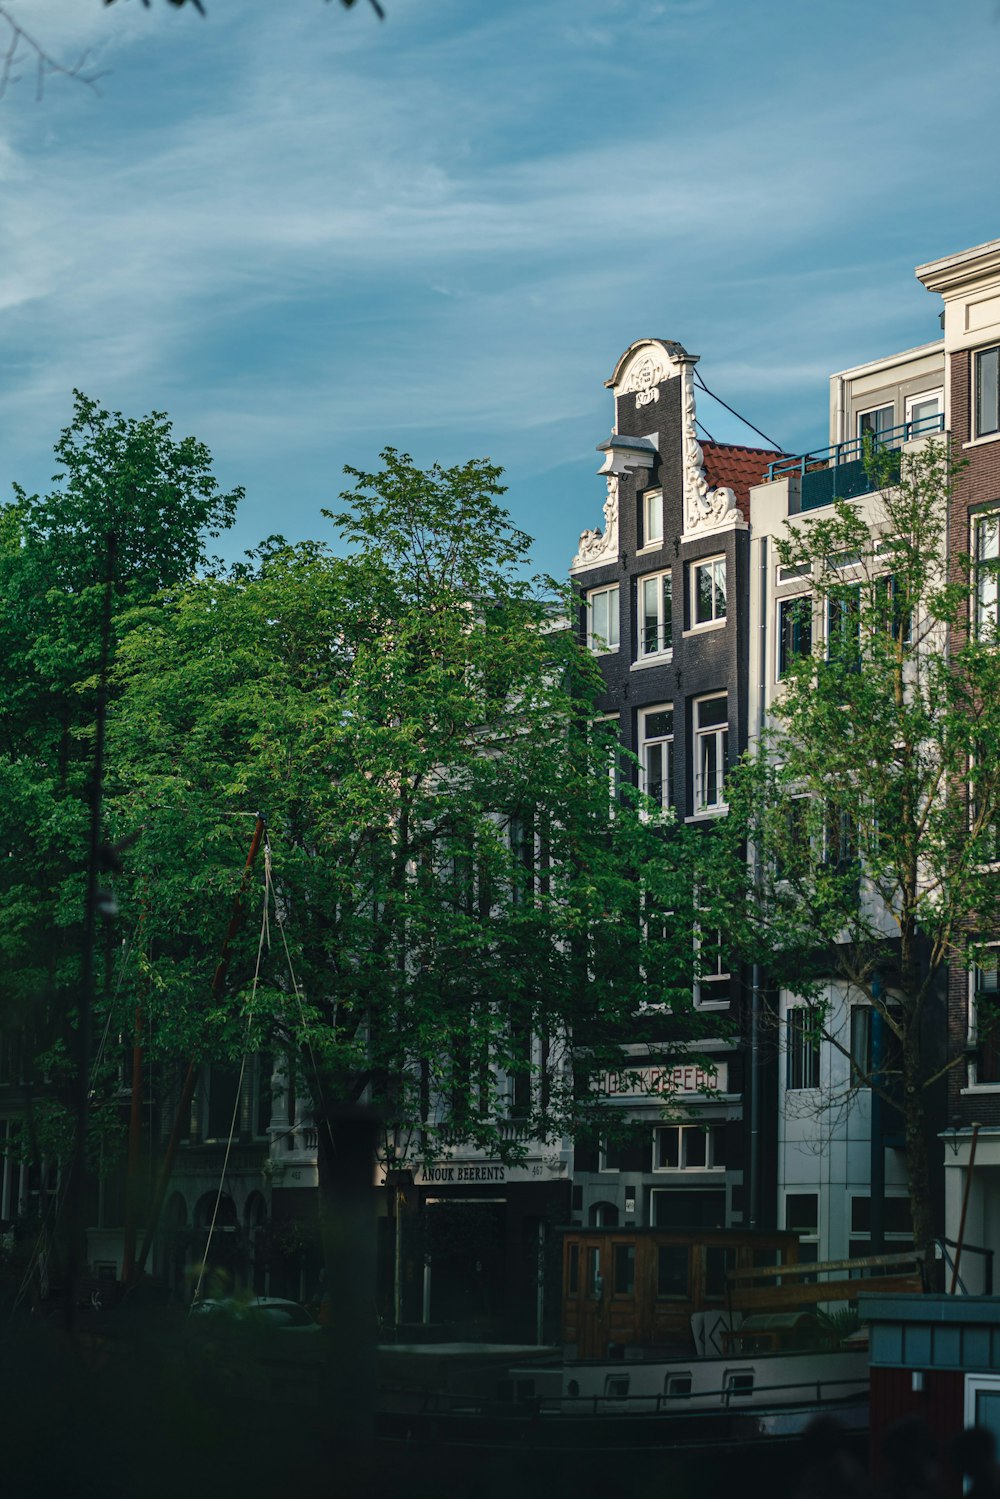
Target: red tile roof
{"points": [[737, 468]]}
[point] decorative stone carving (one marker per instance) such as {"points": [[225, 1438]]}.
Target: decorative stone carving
{"points": [[705, 508], [601, 546], [643, 376]]}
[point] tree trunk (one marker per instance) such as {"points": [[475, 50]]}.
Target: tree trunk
{"points": [[346, 1159], [915, 1125]]}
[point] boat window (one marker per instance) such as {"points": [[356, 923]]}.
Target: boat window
{"points": [[675, 1386], [739, 1382], [672, 1270], [624, 1269], [616, 1386], [595, 1280], [573, 1270]]}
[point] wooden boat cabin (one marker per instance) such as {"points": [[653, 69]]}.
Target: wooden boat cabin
{"points": [[642, 1286]]}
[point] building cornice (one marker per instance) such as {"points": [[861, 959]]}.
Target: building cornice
{"points": [[953, 272]]}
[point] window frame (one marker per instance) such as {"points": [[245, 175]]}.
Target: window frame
{"points": [[664, 647], [651, 499], [796, 1042], [716, 620], [708, 979], [598, 644], [859, 417], [781, 661], [924, 395], [975, 1082], [720, 734], [978, 430], [665, 743], [713, 1148], [980, 564]]}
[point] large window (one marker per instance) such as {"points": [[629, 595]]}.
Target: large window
{"points": [[987, 403], [708, 591], [986, 554], [923, 413], [843, 625], [876, 422], [656, 753], [711, 752], [652, 517], [801, 1048], [602, 619], [984, 1024], [687, 1147], [712, 983], [897, 1228], [861, 1045], [656, 614], [794, 630]]}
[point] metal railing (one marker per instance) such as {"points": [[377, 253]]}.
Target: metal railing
{"points": [[844, 470], [945, 1244]]}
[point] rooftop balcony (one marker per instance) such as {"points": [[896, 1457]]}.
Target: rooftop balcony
{"points": [[845, 471]]}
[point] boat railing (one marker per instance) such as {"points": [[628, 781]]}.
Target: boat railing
{"points": [[802, 1284], [696, 1402]]}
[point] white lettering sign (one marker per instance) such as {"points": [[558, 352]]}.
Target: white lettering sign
{"points": [[644, 1082]]}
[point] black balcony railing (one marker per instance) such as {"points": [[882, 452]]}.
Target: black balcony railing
{"points": [[845, 470]]}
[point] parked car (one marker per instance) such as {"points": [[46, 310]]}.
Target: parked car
{"points": [[259, 1311]]}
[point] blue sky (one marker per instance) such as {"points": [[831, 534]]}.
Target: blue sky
{"points": [[307, 235]]}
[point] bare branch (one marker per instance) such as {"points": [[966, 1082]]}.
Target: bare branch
{"points": [[23, 48]]}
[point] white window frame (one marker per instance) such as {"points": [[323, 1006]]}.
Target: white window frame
{"points": [[976, 435], [664, 647], [701, 1000], [652, 504], [685, 1131], [980, 521], [720, 734], [974, 1085], [717, 620], [605, 645], [780, 604], [791, 1032], [924, 395], [664, 743], [870, 411]]}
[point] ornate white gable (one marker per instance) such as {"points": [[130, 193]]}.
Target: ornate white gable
{"points": [[705, 508]]}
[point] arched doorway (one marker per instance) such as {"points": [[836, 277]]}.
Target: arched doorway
{"points": [[603, 1215], [217, 1245]]}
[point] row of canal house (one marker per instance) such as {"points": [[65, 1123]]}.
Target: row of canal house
{"points": [[693, 617], [690, 613]]}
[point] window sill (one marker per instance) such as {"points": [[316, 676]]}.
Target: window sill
{"points": [[689, 1171], [981, 442], [708, 814], [660, 658], [711, 1004], [605, 650], [706, 628], [980, 1088], [651, 547]]}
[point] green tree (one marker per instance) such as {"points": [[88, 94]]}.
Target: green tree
{"points": [[473, 921], [130, 514], [873, 802]]}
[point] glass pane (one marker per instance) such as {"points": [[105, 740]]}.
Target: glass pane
{"points": [[713, 710], [650, 615], [802, 1212], [668, 1147], [672, 1270], [717, 1261], [595, 1281], [987, 415], [875, 422], [599, 618], [924, 414], [654, 772], [988, 1411], [612, 637], [695, 1148], [703, 593], [667, 597], [573, 1270], [708, 770], [624, 1269], [658, 723], [653, 529], [719, 571]]}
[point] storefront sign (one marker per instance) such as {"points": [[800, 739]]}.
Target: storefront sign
{"points": [[647, 1082]]}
